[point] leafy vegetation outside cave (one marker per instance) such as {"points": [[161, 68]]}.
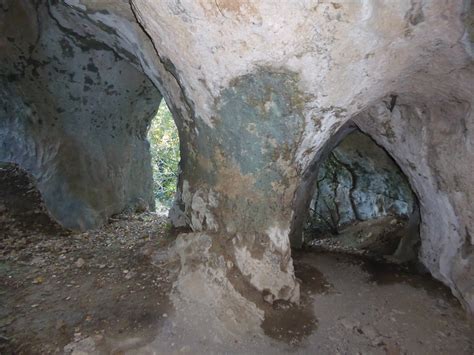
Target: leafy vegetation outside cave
{"points": [[164, 148]]}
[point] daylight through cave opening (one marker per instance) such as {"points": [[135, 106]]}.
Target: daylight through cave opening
{"points": [[363, 204], [165, 156]]}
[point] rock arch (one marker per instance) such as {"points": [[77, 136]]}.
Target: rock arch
{"points": [[76, 107], [423, 156], [258, 97], [415, 132]]}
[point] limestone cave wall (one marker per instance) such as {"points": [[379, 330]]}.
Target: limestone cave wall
{"points": [[260, 97], [337, 62], [359, 182], [74, 113]]}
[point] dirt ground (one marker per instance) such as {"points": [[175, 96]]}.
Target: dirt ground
{"points": [[105, 286], [108, 292], [59, 288]]}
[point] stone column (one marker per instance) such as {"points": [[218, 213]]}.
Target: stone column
{"points": [[239, 176]]}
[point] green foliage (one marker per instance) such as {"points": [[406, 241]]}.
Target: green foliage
{"points": [[164, 147]]}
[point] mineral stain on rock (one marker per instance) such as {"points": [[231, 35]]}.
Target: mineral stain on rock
{"points": [[270, 103]]}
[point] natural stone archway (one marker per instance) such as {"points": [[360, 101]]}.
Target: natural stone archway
{"points": [[75, 114], [364, 182], [306, 189], [438, 176], [248, 78], [363, 205], [408, 129], [258, 97]]}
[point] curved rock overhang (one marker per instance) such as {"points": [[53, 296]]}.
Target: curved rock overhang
{"points": [[79, 88], [271, 93], [260, 96]]}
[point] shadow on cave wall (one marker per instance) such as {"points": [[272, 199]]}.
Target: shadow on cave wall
{"points": [[363, 204], [22, 210]]}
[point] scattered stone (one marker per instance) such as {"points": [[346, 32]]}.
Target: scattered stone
{"points": [[349, 324], [268, 298], [38, 280], [379, 341], [37, 261], [185, 349], [79, 262], [370, 332], [130, 275], [87, 346]]}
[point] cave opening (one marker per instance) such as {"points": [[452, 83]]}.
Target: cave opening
{"points": [[363, 204], [165, 157]]}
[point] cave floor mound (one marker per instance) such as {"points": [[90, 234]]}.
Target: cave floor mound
{"points": [[374, 238], [108, 292]]}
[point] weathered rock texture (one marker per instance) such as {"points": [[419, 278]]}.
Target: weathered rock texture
{"points": [[359, 182], [22, 211], [260, 96], [74, 112], [267, 92]]}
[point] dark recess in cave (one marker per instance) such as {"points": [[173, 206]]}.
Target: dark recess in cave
{"points": [[363, 204]]}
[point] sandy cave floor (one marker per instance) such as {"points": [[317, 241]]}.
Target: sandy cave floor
{"points": [[103, 291]]}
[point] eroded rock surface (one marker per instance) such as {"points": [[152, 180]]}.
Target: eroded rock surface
{"points": [[22, 209], [252, 68], [74, 112], [358, 182], [259, 98], [363, 204]]}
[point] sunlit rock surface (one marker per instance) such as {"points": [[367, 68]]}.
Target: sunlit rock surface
{"points": [[260, 94]]}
